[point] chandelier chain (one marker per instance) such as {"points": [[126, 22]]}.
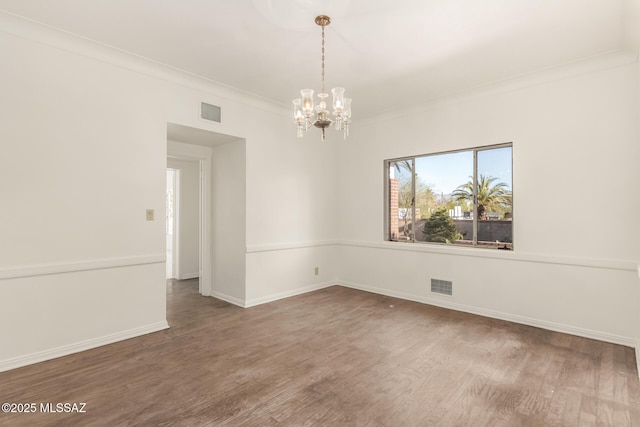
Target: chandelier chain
{"points": [[323, 59]]}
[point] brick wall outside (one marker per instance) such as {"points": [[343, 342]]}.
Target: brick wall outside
{"points": [[393, 209]]}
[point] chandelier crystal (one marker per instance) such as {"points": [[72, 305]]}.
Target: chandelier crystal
{"points": [[304, 110]]}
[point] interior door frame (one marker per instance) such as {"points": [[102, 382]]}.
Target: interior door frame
{"points": [[175, 238], [203, 155]]}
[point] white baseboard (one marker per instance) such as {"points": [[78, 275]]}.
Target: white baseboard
{"points": [[188, 276], [280, 295], [543, 324], [228, 298], [66, 350], [638, 357], [269, 298]]}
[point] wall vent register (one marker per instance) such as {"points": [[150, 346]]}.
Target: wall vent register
{"points": [[444, 287], [210, 112]]}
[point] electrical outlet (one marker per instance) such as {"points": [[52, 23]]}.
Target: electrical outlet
{"points": [[149, 214], [317, 271]]}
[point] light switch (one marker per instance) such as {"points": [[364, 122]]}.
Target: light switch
{"points": [[149, 214]]}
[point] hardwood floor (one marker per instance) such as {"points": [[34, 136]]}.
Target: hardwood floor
{"points": [[333, 357]]}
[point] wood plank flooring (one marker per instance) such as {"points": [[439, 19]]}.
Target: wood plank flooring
{"points": [[333, 357]]}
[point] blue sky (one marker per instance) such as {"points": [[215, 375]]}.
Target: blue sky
{"points": [[445, 172]]}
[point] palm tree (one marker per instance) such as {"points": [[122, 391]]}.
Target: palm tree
{"points": [[491, 195], [402, 165]]}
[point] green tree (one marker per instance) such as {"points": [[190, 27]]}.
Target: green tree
{"points": [[441, 228], [425, 198], [424, 201], [492, 196]]}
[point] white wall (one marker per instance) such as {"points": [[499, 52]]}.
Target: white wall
{"points": [[80, 165], [282, 272], [84, 140], [575, 145], [229, 228], [290, 195], [637, 39], [292, 188], [187, 262]]}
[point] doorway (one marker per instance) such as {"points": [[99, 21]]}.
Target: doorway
{"points": [[227, 186], [183, 218]]}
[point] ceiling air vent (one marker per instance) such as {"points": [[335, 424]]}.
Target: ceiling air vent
{"points": [[210, 112], [444, 287]]}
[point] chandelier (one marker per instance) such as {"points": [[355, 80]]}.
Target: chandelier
{"points": [[303, 108]]}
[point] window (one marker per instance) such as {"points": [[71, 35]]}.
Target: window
{"points": [[461, 198]]}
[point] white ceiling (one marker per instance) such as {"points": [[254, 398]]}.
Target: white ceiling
{"points": [[386, 54]]}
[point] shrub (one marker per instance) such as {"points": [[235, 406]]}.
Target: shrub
{"points": [[441, 228]]}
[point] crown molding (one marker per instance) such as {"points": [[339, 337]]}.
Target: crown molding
{"points": [[609, 60], [38, 32]]}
